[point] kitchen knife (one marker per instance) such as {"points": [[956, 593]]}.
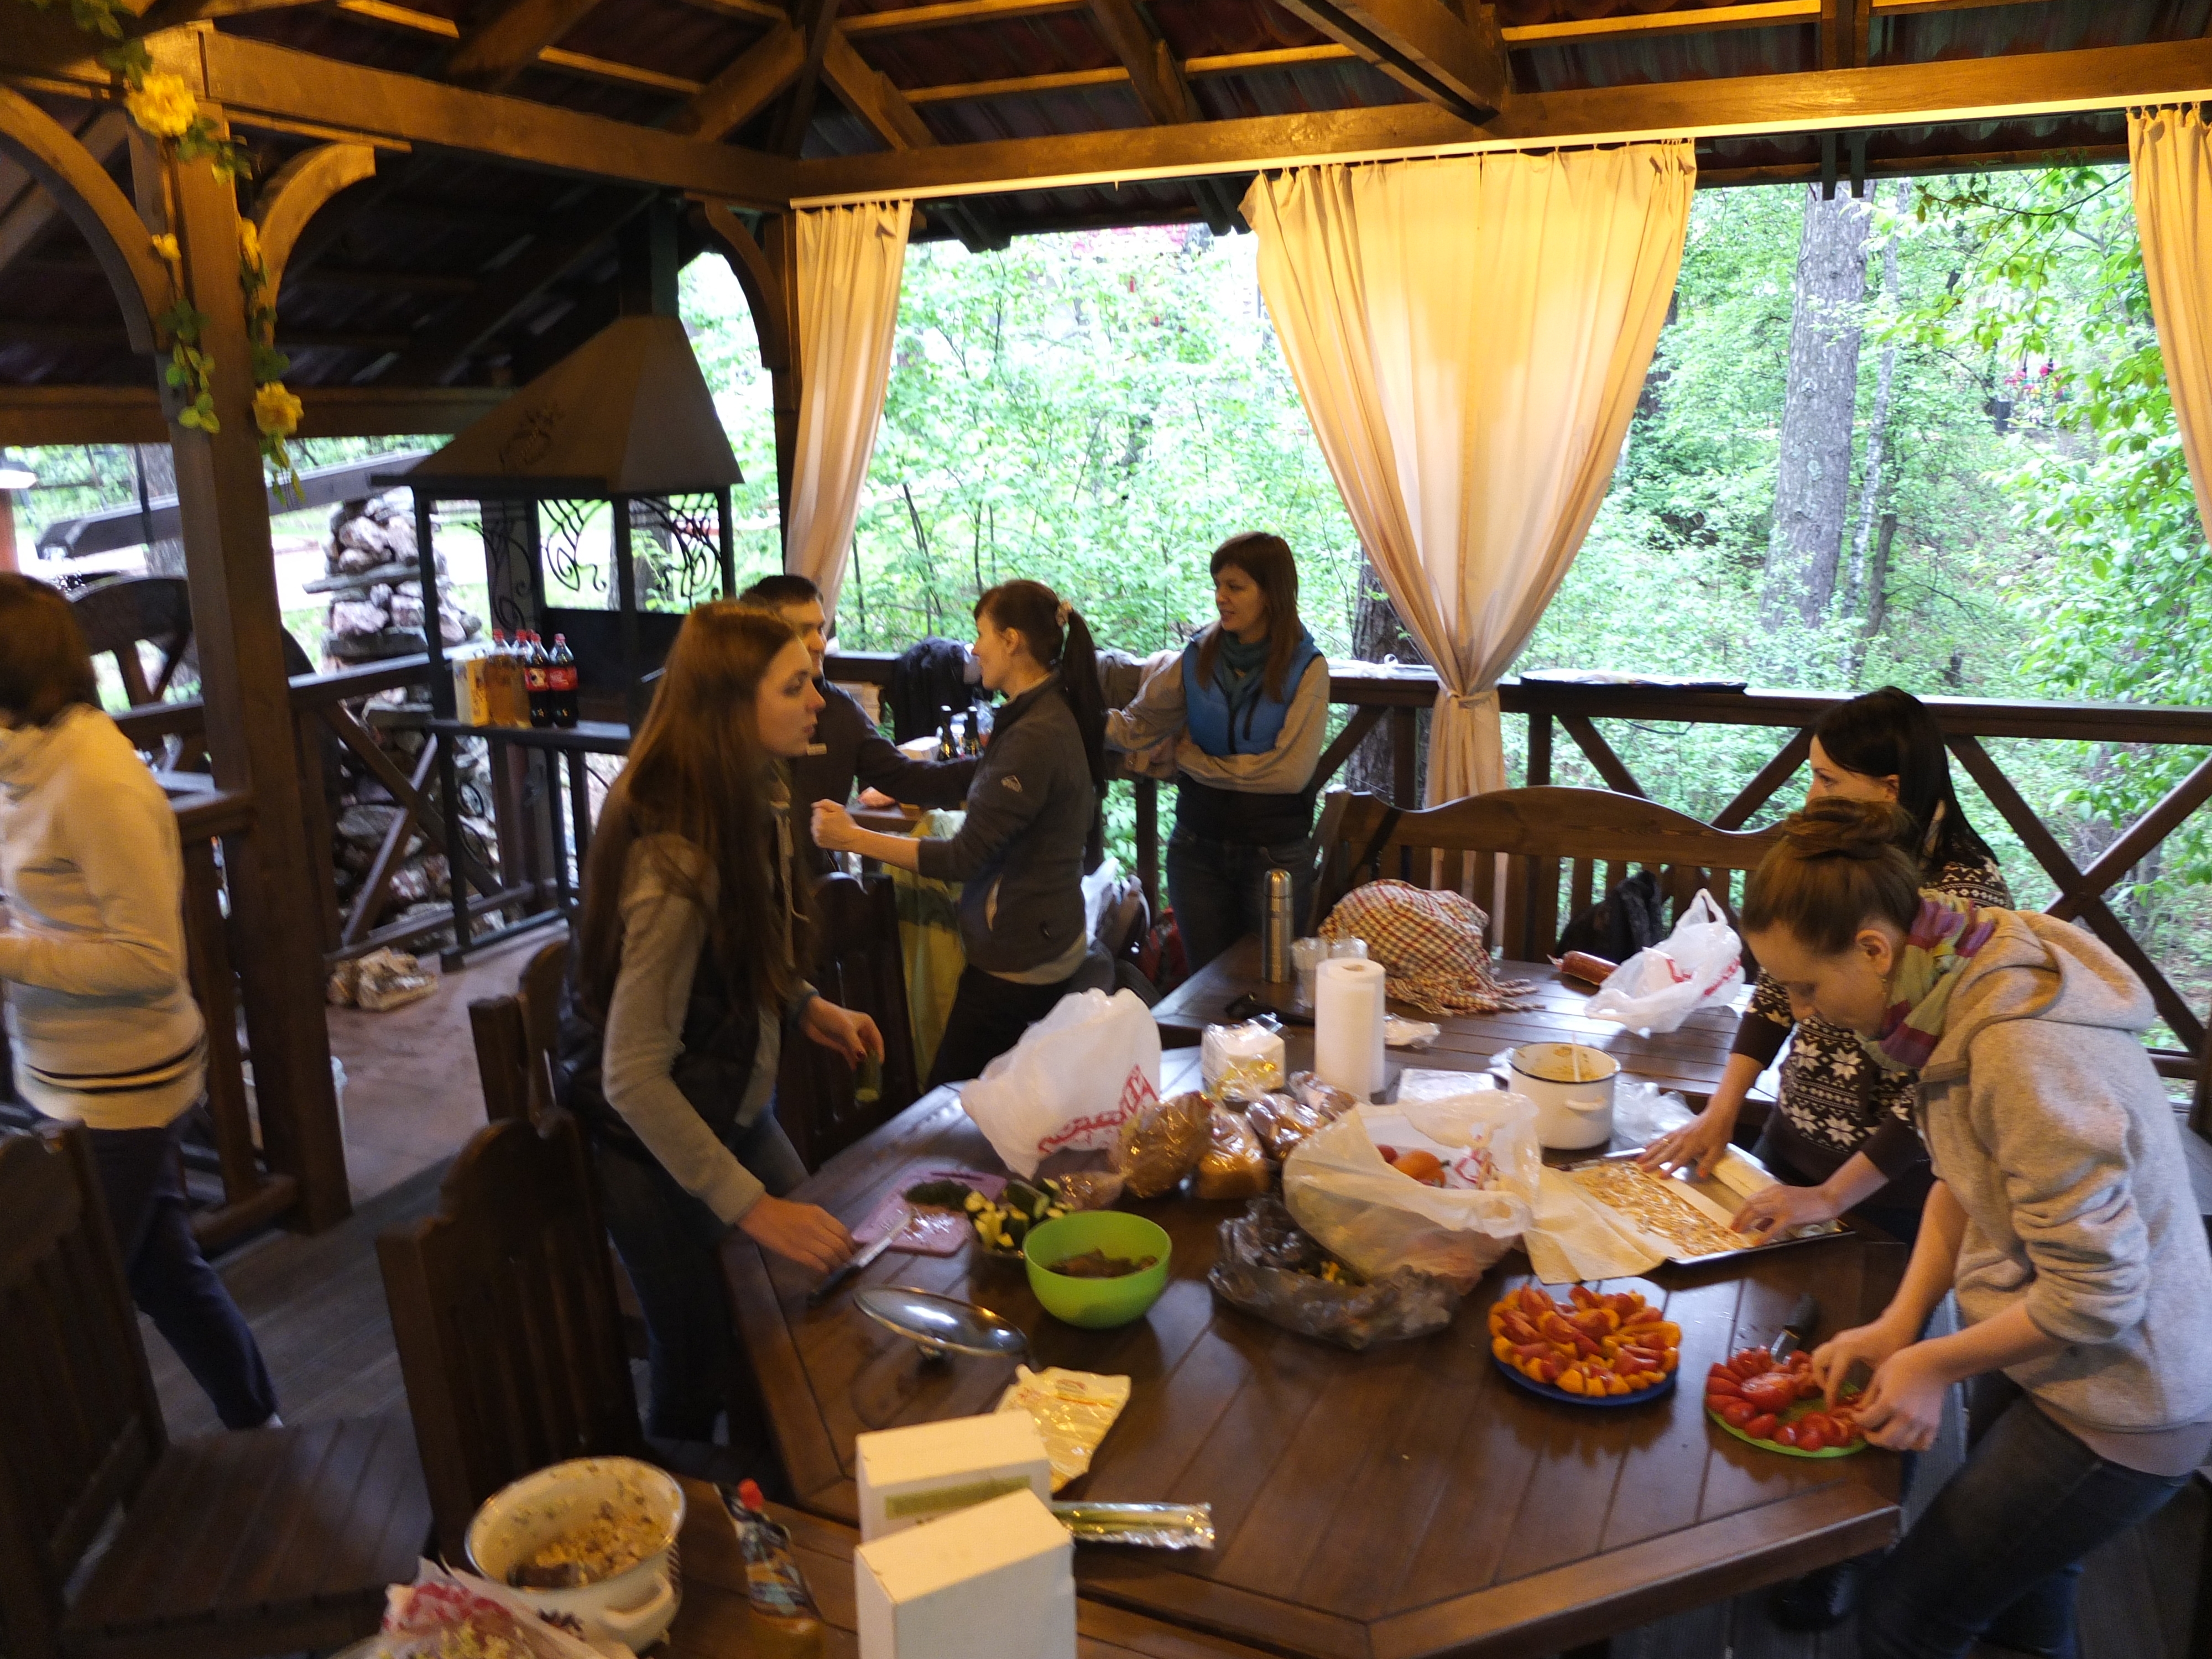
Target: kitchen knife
{"points": [[821, 1292], [1797, 1329]]}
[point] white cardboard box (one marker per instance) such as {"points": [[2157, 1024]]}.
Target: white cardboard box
{"points": [[917, 1474], [997, 1577]]}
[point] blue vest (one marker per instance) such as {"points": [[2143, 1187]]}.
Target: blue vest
{"points": [[1231, 815]]}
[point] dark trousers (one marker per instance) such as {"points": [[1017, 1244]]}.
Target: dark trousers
{"points": [[989, 1016], [171, 1280], [1998, 1554], [671, 1246], [1218, 889]]}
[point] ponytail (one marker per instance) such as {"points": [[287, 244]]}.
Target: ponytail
{"points": [[1840, 864]]}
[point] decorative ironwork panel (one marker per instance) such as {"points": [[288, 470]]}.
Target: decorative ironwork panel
{"points": [[677, 547]]}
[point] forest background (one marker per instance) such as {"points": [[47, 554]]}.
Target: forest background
{"points": [[1921, 440]]}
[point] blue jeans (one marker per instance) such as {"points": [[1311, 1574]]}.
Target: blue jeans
{"points": [[1998, 1554], [671, 1246], [1220, 894], [171, 1280]]}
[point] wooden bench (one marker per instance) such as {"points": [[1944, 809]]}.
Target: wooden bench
{"points": [[1563, 849]]}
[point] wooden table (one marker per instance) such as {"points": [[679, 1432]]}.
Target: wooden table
{"points": [[1691, 1059], [1398, 1503], [715, 1622]]}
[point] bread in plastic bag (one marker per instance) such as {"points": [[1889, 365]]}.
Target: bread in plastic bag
{"points": [[1283, 1123], [1267, 1266], [1233, 1165], [1161, 1144], [1339, 1189], [1331, 1102]]}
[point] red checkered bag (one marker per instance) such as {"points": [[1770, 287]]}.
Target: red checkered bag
{"points": [[1431, 944]]}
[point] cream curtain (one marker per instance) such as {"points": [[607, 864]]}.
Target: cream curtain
{"points": [[849, 263], [2170, 154], [1469, 336]]}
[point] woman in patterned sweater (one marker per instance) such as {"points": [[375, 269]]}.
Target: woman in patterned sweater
{"points": [[1841, 1136]]}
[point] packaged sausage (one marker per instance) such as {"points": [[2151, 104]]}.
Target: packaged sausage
{"points": [[1233, 1164], [1282, 1122], [1331, 1102], [1161, 1144]]}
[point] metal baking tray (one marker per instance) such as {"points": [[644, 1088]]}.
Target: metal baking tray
{"points": [[1717, 1197]]}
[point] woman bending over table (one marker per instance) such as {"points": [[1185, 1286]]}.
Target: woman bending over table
{"points": [[2060, 1214], [1032, 827], [687, 981], [105, 1030], [1841, 1137], [1246, 706]]}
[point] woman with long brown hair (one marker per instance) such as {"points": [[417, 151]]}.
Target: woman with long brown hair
{"points": [[1246, 706], [1030, 831], [688, 979]]}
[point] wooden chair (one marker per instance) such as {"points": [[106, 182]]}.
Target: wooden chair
{"points": [[515, 1038], [503, 1312], [115, 616], [1586, 840], [858, 964], [229, 1545]]}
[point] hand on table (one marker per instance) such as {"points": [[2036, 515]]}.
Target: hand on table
{"points": [[1700, 1142], [840, 1029], [833, 828], [1782, 1206], [804, 1233]]}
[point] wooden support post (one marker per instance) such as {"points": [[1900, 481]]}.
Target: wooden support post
{"points": [[1405, 785], [1147, 791], [231, 566], [1540, 750]]}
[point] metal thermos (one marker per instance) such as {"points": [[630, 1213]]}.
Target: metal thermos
{"points": [[1275, 931]]}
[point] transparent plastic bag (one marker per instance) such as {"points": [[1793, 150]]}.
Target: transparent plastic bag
{"points": [[1163, 1143], [1233, 1165], [1663, 985], [1270, 1268], [1338, 1188]]}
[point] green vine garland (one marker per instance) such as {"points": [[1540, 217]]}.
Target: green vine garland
{"points": [[164, 108]]}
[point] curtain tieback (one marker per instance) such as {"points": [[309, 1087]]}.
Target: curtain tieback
{"points": [[1469, 703]]}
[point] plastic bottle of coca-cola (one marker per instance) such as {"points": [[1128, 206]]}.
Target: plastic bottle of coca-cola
{"points": [[561, 682], [537, 679]]}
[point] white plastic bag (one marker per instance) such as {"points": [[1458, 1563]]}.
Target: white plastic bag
{"points": [[1354, 1205], [1069, 1084], [1661, 985]]}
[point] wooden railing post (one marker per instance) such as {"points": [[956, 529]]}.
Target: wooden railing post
{"points": [[1148, 841]]}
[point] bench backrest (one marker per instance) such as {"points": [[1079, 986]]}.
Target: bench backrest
{"points": [[1564, 849]]}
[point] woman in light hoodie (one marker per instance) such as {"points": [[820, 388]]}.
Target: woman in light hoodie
{"points": [[104, 1027], [2061, 1215]]}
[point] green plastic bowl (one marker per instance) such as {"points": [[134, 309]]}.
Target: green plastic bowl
{"points": [[1097, 1303]]}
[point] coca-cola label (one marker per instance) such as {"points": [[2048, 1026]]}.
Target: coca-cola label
{"points": [[536, 677], [561, 677]]}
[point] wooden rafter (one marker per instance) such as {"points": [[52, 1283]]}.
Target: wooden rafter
{"points": [[261, 84], [886, 111], [1984, 89], [435, 356], [1162, 92], [1424, 46], [817, 20], [494, 52], [747, 86], [418, 21]]}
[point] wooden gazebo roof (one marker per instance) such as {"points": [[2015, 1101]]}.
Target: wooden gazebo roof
{"points": [[524, 145]]}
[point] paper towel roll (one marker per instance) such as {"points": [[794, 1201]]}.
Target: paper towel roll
{"points": [[1348, 1025]]}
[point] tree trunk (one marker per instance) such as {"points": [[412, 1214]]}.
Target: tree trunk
{"points": [[157, 470], [1813, 481], [1378, 633], [1877, 606], [1875, 485]]}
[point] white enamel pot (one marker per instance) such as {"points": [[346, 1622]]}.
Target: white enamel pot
{"points": [[626, 1612], [1570, 1114]]}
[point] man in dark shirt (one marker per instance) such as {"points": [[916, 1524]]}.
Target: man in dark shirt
{"points": [[846, 744]]}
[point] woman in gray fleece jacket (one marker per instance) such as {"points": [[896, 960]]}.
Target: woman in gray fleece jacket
{"points": [[1032, 827], [2061, 1215]]}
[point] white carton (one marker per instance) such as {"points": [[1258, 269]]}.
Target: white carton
{"points": [[996, 1578], [914, 1474]]}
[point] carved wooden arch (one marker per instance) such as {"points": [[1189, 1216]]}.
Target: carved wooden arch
{"points": [[110, 225], [761, 281], [296, 192]]}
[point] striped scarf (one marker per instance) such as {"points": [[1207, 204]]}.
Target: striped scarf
{"points": [[1943, 939]]}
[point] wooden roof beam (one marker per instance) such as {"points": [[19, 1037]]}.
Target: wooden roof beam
{"points": [[34, 414], [1158, 81], [817, 20], [747, 86], [884, 108], [2018, 87], [494, 51], [260, 84], [1457, 63]]}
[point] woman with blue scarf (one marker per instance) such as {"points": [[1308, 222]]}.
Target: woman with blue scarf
{"points": [[1245, 705]]}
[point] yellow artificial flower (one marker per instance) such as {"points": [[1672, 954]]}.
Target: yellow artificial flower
{"points": [[163, 105], [167, 247], [249, 243], [275, 411]]}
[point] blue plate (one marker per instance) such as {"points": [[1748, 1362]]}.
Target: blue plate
{"points": [[1548, 1391]]}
